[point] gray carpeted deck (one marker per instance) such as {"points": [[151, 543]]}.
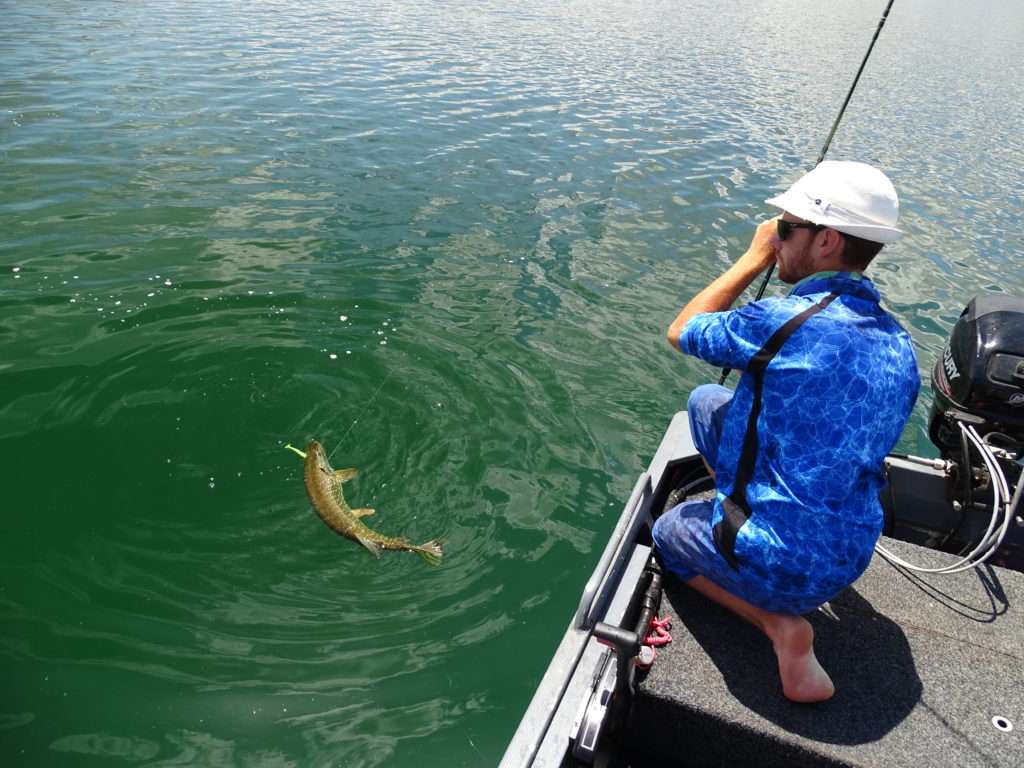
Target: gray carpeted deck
{"points": [[922, 665]]}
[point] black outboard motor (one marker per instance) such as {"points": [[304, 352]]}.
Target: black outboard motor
{"points": [[977, 422], [980, 377]]}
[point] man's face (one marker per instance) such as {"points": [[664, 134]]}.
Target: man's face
{"points": [[794, 253]]}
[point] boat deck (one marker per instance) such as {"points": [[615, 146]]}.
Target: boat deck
{"points": [[925, 668]]}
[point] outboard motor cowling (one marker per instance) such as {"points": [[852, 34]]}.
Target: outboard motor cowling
{"points": [[979, 379]]}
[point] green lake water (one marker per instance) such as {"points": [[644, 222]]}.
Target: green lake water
{"points": [[445, 239]]}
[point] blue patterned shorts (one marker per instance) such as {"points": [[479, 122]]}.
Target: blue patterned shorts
{"points": [[706, 408], [683, 535]]}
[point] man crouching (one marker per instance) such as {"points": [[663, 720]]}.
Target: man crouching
{"points": [[829, 381]]}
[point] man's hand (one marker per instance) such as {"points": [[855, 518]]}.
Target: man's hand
{"points": [[764, 246], [726, 289]]}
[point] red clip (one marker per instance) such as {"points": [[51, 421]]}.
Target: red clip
{"points": [[658, 634]]}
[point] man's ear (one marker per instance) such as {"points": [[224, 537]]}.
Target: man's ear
{"points": [[832, 244]]}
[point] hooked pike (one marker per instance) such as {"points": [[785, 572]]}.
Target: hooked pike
{"points": [[323, 484]]}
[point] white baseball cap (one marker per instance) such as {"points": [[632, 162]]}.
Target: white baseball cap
{"points": [[850, 197]]}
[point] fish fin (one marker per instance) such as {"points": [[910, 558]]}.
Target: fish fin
{"points": [[344, 475], [370, 544], [363, 511], [430, 551]]}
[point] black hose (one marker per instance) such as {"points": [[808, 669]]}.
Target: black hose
{"points": [[649, 606]]}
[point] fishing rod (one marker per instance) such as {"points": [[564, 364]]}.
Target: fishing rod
{"points": [[824, 149]]}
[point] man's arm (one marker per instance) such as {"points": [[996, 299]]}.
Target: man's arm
{"points": [[721, 293]]}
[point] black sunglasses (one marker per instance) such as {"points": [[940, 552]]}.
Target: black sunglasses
{"points": [[785, 227]]}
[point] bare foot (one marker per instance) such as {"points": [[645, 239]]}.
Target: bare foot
{"points": [[803, 679]]}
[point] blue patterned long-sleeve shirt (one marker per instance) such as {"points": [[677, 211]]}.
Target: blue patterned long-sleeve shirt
{"points": [[836, 398]]}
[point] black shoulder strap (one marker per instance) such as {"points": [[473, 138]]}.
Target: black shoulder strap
{"points": [[735, 506]]}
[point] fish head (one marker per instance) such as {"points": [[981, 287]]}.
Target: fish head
{"points": [[315, 452]]}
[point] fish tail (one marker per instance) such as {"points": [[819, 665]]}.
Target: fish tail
{"points": [[430, 551]]}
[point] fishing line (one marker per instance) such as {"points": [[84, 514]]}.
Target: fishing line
{"points": [[366, 407], [824, 149]]}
